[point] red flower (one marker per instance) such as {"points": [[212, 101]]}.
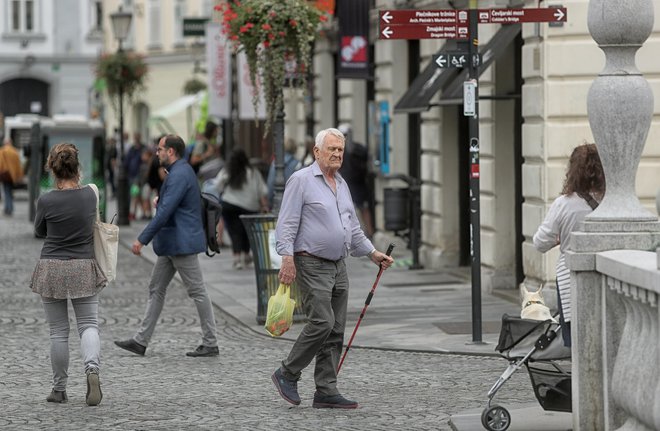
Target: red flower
{"points": [[244, 29], [266, 27], [271, 36], [234, 37], [293, 22], [249, 25], [266, 44], [272, 14], [281, 33], [323, 18]]}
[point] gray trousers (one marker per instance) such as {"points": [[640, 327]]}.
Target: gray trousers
{"points": [[324, 290], [191, 274], [57, 315]]}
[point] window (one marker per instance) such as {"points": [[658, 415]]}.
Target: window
{"points": [[179, 13], [154, 23], [97, 15], [207, 8], [22, 16]]}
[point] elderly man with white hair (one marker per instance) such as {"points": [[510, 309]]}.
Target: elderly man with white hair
{"points": [[316, 230]]}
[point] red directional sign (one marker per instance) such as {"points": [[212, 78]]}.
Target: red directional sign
{"points": [[453, 24], [423, 24], [423, 32], [423, 17], [513, 16]]}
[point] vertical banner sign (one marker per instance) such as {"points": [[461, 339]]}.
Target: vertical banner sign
{"points": [[246, 90], [353, 57], [218, 65]]}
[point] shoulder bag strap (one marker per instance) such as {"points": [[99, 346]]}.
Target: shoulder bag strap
{"points": [[96, 192], [593, 203]]}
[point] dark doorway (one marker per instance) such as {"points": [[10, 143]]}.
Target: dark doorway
{"points": [[24, 96]]}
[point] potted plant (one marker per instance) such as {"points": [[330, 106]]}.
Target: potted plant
{"points": [[274, 34], [122, 71]]}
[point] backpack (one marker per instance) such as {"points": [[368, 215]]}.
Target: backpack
{"points": [[211, 213]]}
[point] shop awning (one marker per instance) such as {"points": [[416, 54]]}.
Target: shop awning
{"points": [[450, 80], [160, 116], [177, 106]]}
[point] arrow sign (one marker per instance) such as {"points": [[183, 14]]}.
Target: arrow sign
{"points": [[441, 61], [451, 59], [423, 17], [513, 16], [424, 32]]}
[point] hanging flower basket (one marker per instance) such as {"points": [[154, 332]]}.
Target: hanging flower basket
{"points": [[122, 69], [274, 34]]}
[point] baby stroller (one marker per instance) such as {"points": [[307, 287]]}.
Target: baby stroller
{"points": [[537, 345]]}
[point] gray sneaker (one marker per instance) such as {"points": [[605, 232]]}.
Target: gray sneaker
{"points": [[288, 389], [94, 394]]}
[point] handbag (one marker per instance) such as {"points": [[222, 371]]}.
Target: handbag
{"points": [[106, 242], [280, 311]]}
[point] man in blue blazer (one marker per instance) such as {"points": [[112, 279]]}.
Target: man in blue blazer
{"points": [[178, 236]]}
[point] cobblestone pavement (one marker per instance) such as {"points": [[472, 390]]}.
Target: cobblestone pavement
{"points": [[165, 390]]}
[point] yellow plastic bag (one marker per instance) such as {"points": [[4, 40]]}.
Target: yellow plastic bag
{"points": [[280, 311]]}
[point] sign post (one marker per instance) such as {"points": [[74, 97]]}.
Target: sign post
{"points": [[473, 131], [463, 25]]}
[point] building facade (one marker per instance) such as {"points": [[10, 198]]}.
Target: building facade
{"points": [[47, 67], [172, 59], [532, 110]]}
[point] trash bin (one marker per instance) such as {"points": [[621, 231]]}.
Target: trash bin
{"points": [[261, 233], [395, 202]]}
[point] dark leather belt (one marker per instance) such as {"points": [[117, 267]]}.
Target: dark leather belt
{"points": [[304, 253]]}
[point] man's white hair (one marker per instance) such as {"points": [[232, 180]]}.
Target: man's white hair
{"points": [[320, 137]]}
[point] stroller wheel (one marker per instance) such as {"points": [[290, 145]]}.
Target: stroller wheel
{"points": [[496, 418]]}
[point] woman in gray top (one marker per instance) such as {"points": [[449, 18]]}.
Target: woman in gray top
{"points": [[67, 270]]}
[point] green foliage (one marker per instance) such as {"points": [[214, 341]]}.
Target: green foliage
{"points": [[193, 86], [122, 70], [274, 35]]}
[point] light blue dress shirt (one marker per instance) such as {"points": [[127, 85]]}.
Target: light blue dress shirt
{"points": [[316, 220]]}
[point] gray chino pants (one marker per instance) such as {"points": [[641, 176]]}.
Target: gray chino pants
{"points": [[191, 274], [324, 289]]}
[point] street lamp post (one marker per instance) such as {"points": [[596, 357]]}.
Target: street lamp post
{"points": [[121, 24]]}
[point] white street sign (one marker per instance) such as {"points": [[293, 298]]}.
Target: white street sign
{"points": [[469, 98]]}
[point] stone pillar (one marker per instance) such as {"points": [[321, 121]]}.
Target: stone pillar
{"points": [[620, 109]]}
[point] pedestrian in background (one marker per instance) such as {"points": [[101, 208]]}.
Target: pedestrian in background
{"points": [[291, 164], [355, 170], [316, 229], [111, 163], [67, 270], [584, 188], [133, 161], [178, 236], [243, 192], [205, 147], [11, 172]]}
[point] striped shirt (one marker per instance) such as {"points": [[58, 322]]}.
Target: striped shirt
{"points": [[316, 220]]}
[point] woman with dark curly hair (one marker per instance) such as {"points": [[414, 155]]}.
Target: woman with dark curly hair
{"points": [[67, 270], [584, 187], [243, 192]]}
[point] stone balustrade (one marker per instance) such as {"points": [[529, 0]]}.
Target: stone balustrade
{"points": [[630, 339]]}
